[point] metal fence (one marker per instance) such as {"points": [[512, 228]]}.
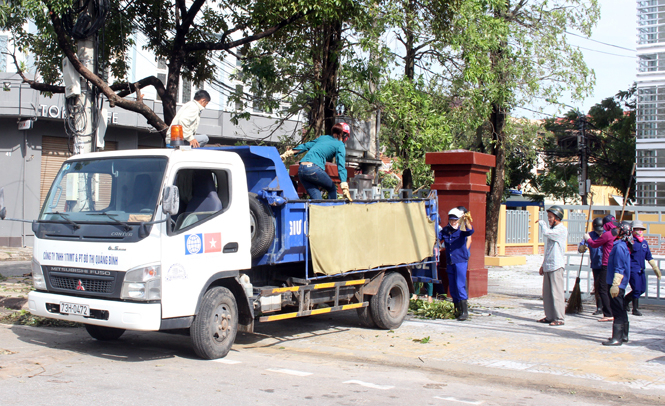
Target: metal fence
{"points": [[517, 226]]}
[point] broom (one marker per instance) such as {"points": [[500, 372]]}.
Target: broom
{"points": [[575, 300]]}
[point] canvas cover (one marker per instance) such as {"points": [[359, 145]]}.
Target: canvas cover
{"points": [[356, 236]]}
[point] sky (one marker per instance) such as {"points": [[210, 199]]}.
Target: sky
{"points": [[615, 68]]}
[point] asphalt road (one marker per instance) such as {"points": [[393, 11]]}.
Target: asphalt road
{"points": [[15, 268], [56, 366]]}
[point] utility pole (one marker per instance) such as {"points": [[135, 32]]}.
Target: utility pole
{"points": [[582, 153]]}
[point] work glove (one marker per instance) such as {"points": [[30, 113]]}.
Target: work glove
{"points": [[465, 221], [581, 248], [656, 270], [345, 191], [614, 290], [286, 154]]}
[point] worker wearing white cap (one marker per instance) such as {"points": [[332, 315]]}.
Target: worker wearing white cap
{"points": [[457, 257]]}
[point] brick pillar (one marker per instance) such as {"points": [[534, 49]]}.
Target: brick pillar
{"points": [[460, 179]]}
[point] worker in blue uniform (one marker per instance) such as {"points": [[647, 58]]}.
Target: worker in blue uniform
{"points": [[596, 265], [312, 168], [457, 257], [638, 278], [618, 273]]}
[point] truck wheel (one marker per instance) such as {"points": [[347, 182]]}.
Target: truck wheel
{"points": [[365, 316], [262, 226], [102, 333], [390, 304], [214, 328]]}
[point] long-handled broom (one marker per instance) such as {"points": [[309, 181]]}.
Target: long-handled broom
{"points": [[575, 300]]}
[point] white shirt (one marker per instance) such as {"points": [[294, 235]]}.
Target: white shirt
{"points": [[188, 117], [555, 246]]}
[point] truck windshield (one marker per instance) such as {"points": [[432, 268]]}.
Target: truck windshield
{"points": [[112, 190]]}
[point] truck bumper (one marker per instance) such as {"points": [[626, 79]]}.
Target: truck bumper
{"points": [[125, 315]]}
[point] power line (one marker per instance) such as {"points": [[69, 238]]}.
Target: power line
{"points": [[600, 42], [603, 52]]}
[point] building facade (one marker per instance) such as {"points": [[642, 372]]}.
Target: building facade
{"points": [[650, 143]]}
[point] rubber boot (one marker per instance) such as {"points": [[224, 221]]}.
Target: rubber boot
{"points": [[626, 327], [617, 335], [464, 310], [457, 310], [626, 302], [636, 305]]}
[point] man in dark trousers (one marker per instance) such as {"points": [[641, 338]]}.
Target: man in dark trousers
{"points": [[607, 242], [596, 265]]}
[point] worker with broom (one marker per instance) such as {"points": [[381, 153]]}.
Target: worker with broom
{"points": [[555, 237], [599, 273], [607, 242], [618, 273], [638, 278]]}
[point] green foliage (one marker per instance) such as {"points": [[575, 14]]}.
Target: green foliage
{"points": [[415, 121], [609, 133], [439, 309], [26, 318]]}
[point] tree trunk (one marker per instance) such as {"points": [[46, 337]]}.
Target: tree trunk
{"points": [[323, 107], [497, 178]]}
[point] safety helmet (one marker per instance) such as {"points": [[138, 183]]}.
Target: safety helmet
{"points": [[455, 214], [638, 224], [609, 219], [346, 132], [598, 225], [557, 211], [626, 230]]}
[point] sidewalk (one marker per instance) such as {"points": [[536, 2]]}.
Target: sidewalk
{"points": [[15, 254]]}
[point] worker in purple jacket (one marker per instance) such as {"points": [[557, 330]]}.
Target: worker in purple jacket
{"points": [[607, 242], [599, 273]]}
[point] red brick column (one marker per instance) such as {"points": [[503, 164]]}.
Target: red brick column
{"points": [[460, 179]]}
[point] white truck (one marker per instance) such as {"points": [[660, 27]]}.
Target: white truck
{"points": [[210, 240]]}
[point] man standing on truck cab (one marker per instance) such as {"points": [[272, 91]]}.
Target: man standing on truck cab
{"points": [[189, 117], [457, 257], [312, 170]]}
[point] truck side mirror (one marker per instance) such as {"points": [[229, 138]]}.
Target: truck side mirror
{"points": [[170, 200], [3, 210]]}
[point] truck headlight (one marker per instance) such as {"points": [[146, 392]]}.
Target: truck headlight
{"points": [[37, 275], [143, 283]]}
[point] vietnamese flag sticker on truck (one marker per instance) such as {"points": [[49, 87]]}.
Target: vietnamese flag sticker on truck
{"points": [[213, 242]]}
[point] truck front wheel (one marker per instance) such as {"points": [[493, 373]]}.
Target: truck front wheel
{"points": [[102, 333], [390, 304], [214, 328]]}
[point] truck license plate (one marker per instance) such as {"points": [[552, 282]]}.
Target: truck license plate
{"points": [[74, 308]]}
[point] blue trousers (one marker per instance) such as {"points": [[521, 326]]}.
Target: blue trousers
{"points": [[313, 177], [457, 281], [638, 282]]}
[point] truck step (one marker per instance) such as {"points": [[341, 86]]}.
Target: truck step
{"points": [[327, 285]]}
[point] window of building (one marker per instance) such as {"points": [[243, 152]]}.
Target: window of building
{"points": [[3, 55], [186, 91], [650, 193], [240, 95]]}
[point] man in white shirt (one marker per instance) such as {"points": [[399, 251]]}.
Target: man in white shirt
{"points": [[189, 117], [555, 237]]}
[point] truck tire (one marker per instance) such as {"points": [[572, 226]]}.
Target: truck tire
{"points": [[365, 316], [262, 226], [214, 328], [103, 333], [390, 304]]}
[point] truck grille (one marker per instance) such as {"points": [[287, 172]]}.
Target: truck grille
{"points": [[87, 285]]}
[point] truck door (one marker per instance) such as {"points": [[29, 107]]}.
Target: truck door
{"points": [[204, 239]]}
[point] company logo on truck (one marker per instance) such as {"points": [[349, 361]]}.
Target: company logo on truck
{"points": [[203, 243]]}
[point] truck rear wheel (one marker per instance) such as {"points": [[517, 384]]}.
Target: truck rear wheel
{"points": [[365, 316], [103, 333], [214, 328], [390, 304], [262, 226]]}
